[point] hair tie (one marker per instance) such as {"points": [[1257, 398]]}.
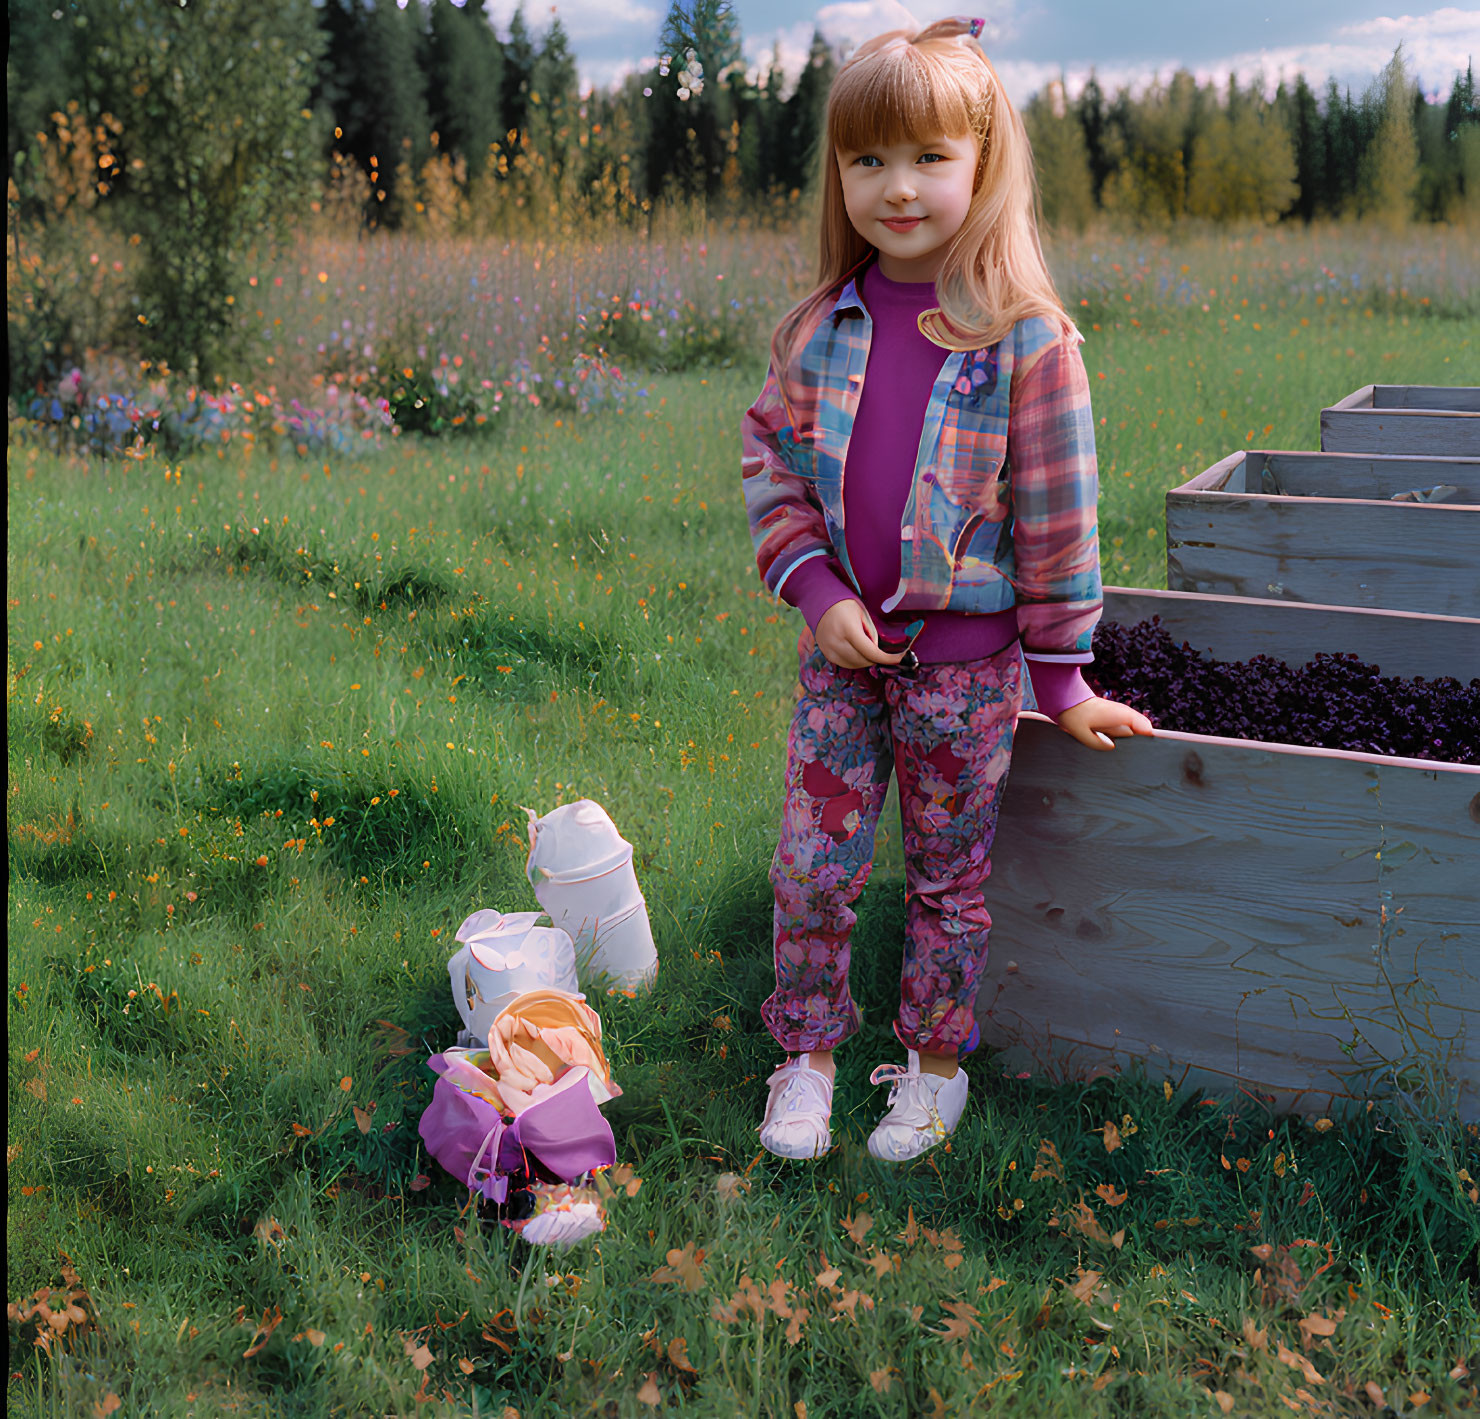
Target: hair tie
{"points": [[953, 27]]}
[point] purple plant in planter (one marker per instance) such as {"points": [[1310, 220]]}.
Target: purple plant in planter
{"points": [[1334, 701]]}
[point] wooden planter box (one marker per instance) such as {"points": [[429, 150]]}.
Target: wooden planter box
{"points": [[1430, 421], [1303, 923], [1321, 527]]}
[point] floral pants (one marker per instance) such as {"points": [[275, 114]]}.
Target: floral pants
{"points": [[946, 731]]}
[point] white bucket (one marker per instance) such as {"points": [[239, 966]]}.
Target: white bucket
{"points": [[501, 958], [580, 867]]}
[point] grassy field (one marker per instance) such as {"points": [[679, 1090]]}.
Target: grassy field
{"points": [[273, 724]]}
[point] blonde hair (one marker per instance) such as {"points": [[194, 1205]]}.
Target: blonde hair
{"points": [[902, 87]]}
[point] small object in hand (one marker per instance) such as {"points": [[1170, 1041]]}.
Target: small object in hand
{"points": [[1439, 493]]}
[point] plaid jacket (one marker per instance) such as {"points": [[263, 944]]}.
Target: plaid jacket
{"points": [[1002, 507]]}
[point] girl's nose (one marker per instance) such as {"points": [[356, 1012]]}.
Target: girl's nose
{"points": [[901, 187]]}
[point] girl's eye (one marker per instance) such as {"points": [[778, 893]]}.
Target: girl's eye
{"points": [[867, 159], [929, 157]]}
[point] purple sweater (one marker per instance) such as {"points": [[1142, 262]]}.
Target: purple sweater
{"points": [[902, 368]]}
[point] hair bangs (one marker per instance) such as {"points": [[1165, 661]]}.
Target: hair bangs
{"points": [[897, 95]]}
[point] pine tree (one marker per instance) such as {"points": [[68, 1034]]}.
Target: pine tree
{"points": [[1390, 167], [1243, 162], [465, 73], [800, 156], [1304, 124], [1089, 108], [550, 120], [1344, 147], [1059, 159], [518, 67], [400, 127]]}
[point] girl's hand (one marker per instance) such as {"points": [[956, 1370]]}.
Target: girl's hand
{"points": [[846, 636], [1092, 720]]}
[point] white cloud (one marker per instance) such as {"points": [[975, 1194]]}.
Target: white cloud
{"points": [[583, 18]]}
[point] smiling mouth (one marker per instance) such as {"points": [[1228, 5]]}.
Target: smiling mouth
{"points": [[904, 223]]}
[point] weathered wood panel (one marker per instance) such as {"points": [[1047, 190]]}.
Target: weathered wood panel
{"points": [[1380, 419], [1354, 475], [1235, 628], [1303, 923], [1464, 398], [1242, 528]]}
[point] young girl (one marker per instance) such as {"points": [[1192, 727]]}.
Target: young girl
{"points": [[934, 365]]}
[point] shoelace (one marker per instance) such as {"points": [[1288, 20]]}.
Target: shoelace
{"points": [[919, 1110]]}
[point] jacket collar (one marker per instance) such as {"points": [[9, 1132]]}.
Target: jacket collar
{"points": [[849, 298]]}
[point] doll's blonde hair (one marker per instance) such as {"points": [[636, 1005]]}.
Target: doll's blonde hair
{"points": [[908, 87]]}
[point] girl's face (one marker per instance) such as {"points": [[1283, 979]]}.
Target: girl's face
{"points": [[909, 200]]}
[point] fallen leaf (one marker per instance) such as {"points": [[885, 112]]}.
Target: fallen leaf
{"points": [[1460, 1372], [800, 1409], [1288, 1357], [883, 1263], [1224, 1399], [1112, 1136], [1312, 1326], [1117, 1239], [37, 1087], [1419, 1396], [940, 1411], [1107, 1192], [1102, 1380], [269, 1231], [263, 1333], [465, 1365], [829, 1277], [1085, 1288], [796, 1324], [420, 1181], [682, 1268], [110, 1403], [678, 1355], [730, 1186], [1047, 1164], [1082, 1219], [421, 1357], [299, 1131], [994, 1283], [1257, 1339], [362, 1118], [347, 1083], [648, 1394], [1375, 1394], [882, 1379], [314, 1337], [858, 1227]]}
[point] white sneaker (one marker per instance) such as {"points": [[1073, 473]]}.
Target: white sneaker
{"points": [[924, 1110], [797, 1111]]}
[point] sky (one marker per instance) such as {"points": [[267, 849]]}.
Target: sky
{"points": [[1128, 42]]}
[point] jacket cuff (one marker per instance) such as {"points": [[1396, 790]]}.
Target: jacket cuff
{"points": [[814, 587], [1056, 686]]}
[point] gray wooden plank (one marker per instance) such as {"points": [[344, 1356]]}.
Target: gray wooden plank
{"points": [[1404, 643], [1400, 431], [1355, 475], [1426, 396], [1422, 557], [1216, 906]]}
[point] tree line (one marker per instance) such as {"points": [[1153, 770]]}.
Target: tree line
{"points": [[153, 143], [427, 115]]}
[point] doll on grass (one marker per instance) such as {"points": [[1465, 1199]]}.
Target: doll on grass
{"points": [[935, 367]]}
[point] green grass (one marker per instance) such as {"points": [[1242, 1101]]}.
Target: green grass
{"points": [[272, 728]]}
